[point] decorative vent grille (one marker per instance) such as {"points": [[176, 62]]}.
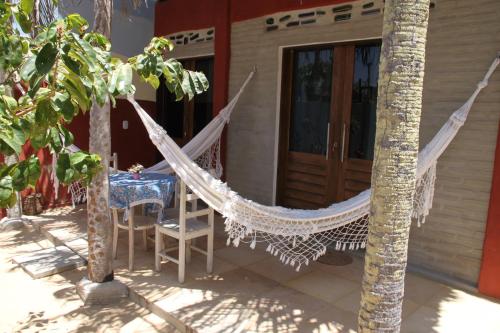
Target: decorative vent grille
{"points": [[335, 14], [192, 37]]}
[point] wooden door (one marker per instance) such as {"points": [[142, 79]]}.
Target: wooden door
{"points": [[318, 161], [359, 114], [305, 172]]}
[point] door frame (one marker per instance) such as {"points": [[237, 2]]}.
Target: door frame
{"points": [[279, 87]]}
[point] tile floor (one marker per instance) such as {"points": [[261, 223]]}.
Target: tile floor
{"points": [[250, 291]]}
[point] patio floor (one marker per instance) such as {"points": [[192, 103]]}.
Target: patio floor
{"points": [[250, 291]]}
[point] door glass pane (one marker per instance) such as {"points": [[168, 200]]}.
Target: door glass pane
{"points": [[364, 102], [311, 100], [171, 112], [203, 103]]}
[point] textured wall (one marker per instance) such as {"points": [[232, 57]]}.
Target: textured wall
{"points": [[463, 39]]}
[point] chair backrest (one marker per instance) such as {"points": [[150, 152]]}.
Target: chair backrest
{"points": [[113, 161], [144, 203], [184, 214]]}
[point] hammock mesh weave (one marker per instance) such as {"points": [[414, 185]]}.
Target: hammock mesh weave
{"points": [[297, 236]]}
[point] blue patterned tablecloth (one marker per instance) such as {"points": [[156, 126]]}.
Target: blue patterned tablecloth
{"points": [[123, 189]]}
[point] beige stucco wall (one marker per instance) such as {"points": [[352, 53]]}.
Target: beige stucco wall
{"points": [[463, 39]]}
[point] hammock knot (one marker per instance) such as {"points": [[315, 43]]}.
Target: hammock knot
{"points": [[482, 84], [225, 116]]}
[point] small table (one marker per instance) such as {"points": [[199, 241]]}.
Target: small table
{"points": [[124, 189]]}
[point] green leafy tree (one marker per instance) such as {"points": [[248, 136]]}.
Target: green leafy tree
{"points": [[64, 70]]}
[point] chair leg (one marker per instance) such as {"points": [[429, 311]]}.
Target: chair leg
{"points": [[210, 244], [158, 248], [188, 251], [210, 253], [115, 240], [182, 260], [131, 249], [145, 239]]}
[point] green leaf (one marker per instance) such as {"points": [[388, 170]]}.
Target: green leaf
{"points": [[27, 6], [55, 140], [71, 65], [73, 84], [28, 69], [61, 102], [100, 90], [186, 85], [45, 114], [10, 102], [153, 81], [26, 173], [63, 168], [76, 21], [7, 194], [13, 137], [78, 157], [48, 33], [24, 21], [46, 59], [39, 138], [124, 79], [67, 135], [99, 40], [5, 13]]}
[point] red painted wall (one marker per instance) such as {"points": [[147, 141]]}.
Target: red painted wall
{"points": [[489, 277], [132, 145], [179, 15]]}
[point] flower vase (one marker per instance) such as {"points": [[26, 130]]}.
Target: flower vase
{"points": [[136, 175]]}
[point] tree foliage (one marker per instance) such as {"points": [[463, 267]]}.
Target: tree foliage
{"points": [[64, 69]]}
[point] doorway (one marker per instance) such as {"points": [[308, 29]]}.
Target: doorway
{"points": [[327, 123], [185, 118]]}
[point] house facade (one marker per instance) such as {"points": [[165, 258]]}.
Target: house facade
{"points": [[302, 133]]}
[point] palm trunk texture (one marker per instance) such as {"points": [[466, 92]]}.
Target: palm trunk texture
{"points": [[100, 227], [395, 163]]}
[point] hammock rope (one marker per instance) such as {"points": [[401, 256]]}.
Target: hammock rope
{"points": [[296, 235]]}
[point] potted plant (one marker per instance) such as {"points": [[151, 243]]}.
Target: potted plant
{"points": [[135, 170]]}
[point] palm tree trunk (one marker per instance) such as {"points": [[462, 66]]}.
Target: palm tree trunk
{"points": [[394, 167], [100, 227]]}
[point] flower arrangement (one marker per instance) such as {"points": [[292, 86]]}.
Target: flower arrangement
{"points": [[135, 170]]}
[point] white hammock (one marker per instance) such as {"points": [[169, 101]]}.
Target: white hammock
{"points": [[298, 235], [204, 148]]}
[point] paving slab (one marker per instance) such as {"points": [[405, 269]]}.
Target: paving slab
{"points": [[80, 246], [49, 261]]}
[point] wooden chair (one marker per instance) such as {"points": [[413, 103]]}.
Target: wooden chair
{"points": [[185, 227], [113, 163], [135, 223]]}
